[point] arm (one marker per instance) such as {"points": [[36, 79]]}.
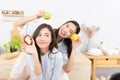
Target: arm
{"points": [[37, 65], [21, 22], [10, 78], [68, 66], [36, 68]]}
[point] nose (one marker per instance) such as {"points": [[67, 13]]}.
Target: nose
{"points": [[42, 38], [66, 30]]}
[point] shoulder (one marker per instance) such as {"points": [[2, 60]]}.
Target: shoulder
{"points": [[57, 53], [58, 58], [61, 43]]}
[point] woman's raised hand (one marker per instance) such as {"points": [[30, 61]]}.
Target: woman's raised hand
{"points": [[40, 14], [76, 43]]}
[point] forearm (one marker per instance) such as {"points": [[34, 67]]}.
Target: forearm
{"points": [[10, 78], [21, 22], [37, 66], [68, 66]]}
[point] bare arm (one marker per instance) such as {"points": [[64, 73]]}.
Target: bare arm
{"points": [[21, 22], [68, 66], [10, 78], [37, 65]]}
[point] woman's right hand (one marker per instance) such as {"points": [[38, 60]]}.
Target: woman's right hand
{"points": [[29, 48]]}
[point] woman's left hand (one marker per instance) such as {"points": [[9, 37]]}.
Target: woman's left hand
{"points": [[76, 43]]}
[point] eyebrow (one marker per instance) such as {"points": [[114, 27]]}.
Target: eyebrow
{"points": [[47, 33]]}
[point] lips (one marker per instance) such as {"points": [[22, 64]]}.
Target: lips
{"points": [[42, 42], [63, 33]]}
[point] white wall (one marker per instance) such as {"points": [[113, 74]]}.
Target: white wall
{"points": [[103, 13]]}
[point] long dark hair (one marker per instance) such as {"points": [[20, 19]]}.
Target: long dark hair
{"points": [[115, 76], [68, 41], [52, 44]]}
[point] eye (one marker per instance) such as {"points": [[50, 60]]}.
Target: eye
{"points": [[47, 35], [39, 35], [71, 31], [67, 26]]}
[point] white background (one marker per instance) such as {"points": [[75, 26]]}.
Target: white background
{"points": [[102, 13]]}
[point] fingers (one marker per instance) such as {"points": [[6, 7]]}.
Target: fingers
{"points": [[79, 39], [40, 13], [77, 42]]}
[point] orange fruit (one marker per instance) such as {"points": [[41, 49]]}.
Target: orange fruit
{"points": [[74, 37]]}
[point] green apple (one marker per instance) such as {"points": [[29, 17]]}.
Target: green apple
{"points": [[74, 37], [47, 15]]}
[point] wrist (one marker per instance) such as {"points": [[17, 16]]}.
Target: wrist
{"points": [[74, 48], [36, 16], [35, 55]]}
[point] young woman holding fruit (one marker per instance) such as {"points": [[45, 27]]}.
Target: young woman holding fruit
{"points": [[63, 36], [40, 59]]}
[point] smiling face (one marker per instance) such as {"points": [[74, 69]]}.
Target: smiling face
{"points": [[43, 39], [66, 30]]}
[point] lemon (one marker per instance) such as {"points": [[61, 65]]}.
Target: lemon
{"points": [[74, 37]]}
